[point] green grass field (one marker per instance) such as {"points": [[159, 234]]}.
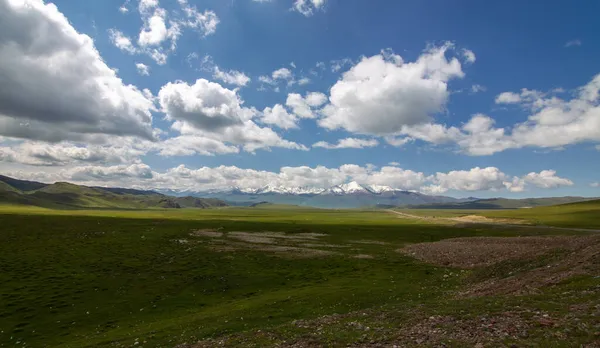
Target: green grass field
{"points": [[113, 278]]}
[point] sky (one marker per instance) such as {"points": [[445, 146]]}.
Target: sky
{"points": [[462, 98]]}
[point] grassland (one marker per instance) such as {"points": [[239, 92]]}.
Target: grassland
{"points": [[272, 276]]}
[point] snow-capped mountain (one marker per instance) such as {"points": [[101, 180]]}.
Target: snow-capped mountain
{"points": [[380, 188], [348, 195]]}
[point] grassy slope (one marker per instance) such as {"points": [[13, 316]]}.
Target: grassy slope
{"points": [[502, 203], [90, 278], [579, 215], [64, 195]]}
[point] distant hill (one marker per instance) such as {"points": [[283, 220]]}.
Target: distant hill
{"points": [[503, 203], [64, 195]]}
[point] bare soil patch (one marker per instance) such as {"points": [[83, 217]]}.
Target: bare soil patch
{"points": [[375, 242], [363, 256], [251, 237], [584, 260], [277, 243], [484, 251], [486, 220], [207, 233]]}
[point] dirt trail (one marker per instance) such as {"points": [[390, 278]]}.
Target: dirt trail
{"points": [[473, 220]]}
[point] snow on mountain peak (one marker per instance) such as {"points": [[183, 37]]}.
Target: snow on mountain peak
{"points": [[380, 188], [352, 187]]}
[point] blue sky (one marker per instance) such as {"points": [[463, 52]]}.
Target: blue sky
{"points": [[456, 98]]}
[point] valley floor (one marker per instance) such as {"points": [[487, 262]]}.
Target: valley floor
{"points": [[296, 278]]}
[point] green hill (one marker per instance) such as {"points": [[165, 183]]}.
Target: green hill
{"points": [[503, 203], [63, 195], [576, 215]]}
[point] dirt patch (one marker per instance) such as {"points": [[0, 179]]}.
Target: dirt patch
{"points": [[277, 243], [207, 233], [580, 261], [484, 251], [322, 245], [375, 242], [363, 256], [486, 220], [251, 237]]}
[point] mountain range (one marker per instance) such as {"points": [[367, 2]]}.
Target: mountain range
{"points": [[63, 195], [350, 195]]}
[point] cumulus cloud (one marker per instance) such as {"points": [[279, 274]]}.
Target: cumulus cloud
{"points": [[508, 98], [304, 81], [303, 107], [308, 7], [66, 153], [207, 109], [553, 122], [161, 30], [140, 175], [348, 143], [142, 69], [121, 41], [469, 56], [595, 184], [277, 76], [60, 88], [546, 179], [382, 94], [203, 22], [339, 64], [232, 77], [280, 117]]}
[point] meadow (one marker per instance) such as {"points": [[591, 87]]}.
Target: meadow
{"points": [[277, 276]]}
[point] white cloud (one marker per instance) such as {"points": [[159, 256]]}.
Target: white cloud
{"points": [[595, 184], [60, 88], [382, 94], [232, 77], [308, 7], [555, 122], [282, 74], [304, 81], [315, 99], [140, 175], [469, 56], [123, 9], [546, 179], [146, 5], [65, 153], [398, 142], [476, 179], [303, 107], [571, 43], [280, 117], [155, 30], [188, 145], [277, 76], [207, 109], [204, 22], [142, 69], [348, 143], [508, 98], [161, 29], [339, 64], [395, 164], [121, 41], [477, 88]]}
